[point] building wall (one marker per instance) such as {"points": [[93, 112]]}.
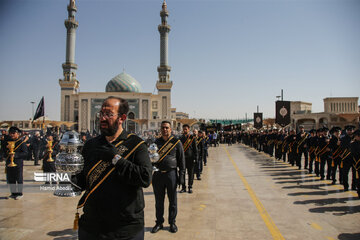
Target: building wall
{"points": [[341, 105]]}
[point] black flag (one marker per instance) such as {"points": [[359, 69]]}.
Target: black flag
{"points": [[283, 113], [40, 110], [258, 120]]}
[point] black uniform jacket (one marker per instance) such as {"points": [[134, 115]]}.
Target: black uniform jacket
{"points": [[355, 152], [175, 158], [191, 153], [116, 207]]}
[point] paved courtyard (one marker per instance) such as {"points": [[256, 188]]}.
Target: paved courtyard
{"points": [[243, 194]]}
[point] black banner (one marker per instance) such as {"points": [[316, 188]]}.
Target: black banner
{"points": [[283, 113], [258, 120], [211, 129], [40, 110]]}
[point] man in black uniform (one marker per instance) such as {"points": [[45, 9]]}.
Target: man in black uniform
{"points": [[36, 143], [347, 161], [166, 178], [355, 152], [312, 144], [116, 168], [201, 152], [291, 140], [301, 147], [14, 174], [324, 154], [191, 156], [335, 148]]}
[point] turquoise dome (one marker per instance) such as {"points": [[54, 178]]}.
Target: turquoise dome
{"points": [[123, 83]]}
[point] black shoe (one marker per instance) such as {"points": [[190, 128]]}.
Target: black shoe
{"points": [[333, 182], [13, 196], [198, 178], [353, 187], [173, 228], [190, 190], [183, 190], [322, 178], [156, 228], [328, 178]]}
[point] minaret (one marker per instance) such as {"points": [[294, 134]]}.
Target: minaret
{"points": [[164, 69], [69, 85], [164, 84]]}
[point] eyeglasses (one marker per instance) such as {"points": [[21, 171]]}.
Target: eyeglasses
{"points": [[106, 115]]}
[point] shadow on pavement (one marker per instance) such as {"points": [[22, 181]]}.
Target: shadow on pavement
{"points": [[293, 178], [298, 181], [315, 186], [66, 234], [328, 201], [321, 193], [349, 236], [337, 211]]}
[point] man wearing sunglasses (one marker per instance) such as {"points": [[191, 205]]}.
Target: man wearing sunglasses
{"points": [[116, 168]]}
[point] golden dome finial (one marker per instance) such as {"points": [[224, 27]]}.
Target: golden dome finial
{"points": [[164, 5]]}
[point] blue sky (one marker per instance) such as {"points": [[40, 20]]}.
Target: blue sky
{"points": [[227, 56]]}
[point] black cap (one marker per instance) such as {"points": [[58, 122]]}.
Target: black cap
{"points": [[349, 127], [324, 129], [312, 131], [14, 130], [335, 129], [356, 133]]}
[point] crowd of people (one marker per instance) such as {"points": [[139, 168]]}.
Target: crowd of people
{"points": [[117, 166], [330, 154]]}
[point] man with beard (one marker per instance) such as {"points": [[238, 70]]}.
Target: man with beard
{"points": [[171, 157], [116, 168], [191, 156]]}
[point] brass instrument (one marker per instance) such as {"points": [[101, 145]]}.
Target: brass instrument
{"points": [[11, 147], [50, 150]]}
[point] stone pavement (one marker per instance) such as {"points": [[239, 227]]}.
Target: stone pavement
{"points": [[243, 194]]}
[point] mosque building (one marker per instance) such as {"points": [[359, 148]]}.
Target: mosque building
{"points": [[146, 110]]}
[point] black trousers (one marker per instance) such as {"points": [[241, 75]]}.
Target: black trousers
{"points": [[325, 160], [84, 235], [292, 156], [161, 182], [36, 153], [271, 149], [14, 176], [337, 164], [299, 155], [205, 156], [198, 167], [189, 164], [348, 164]]}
